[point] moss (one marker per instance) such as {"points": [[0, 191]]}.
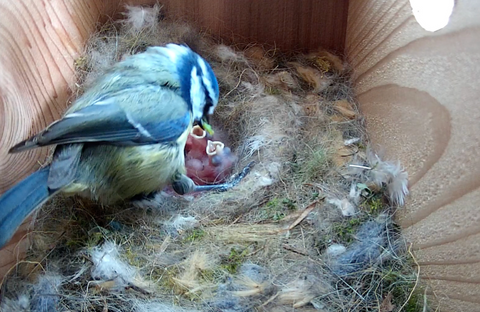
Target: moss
{"points": [[194, 235], [84, 238], [415, 303], [373, 205], [322, 64], [400, 294], [133, 258], [81, 64], [272, 91], [355, 222], [289, 204], [344, 232], [95, 239], [361, 147], [156, 275], [273, 203], [234, 260], [277, 216], [277, 208], [399, 279]]}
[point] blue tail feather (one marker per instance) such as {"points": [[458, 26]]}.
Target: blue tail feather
{"points": [[20, 201]]}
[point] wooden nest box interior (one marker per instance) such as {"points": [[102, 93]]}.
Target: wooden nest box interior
{"points": [[416, 81]]}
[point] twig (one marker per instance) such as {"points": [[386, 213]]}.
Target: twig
{"points": [[270, 299], [255, 251], [425, 300], [238, 84], [302, 216], [236, 220], [361, 167], [138, 289], [295, 250]]}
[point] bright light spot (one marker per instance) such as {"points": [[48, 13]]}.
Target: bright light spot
{"points": [[432, 15]]}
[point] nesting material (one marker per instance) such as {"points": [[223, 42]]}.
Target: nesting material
{"points": [[344, 108], [310, 228], [46, 295], [41, 296], [153, 306], [188, 281], [109, 269], [344, 205], [335, 250], [370, 242], [245, 292], [21, 304], [391, 175]]}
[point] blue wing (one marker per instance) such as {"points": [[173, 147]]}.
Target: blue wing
{"points": [[150, 116]]}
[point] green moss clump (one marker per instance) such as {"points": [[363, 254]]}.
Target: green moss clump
{"points": [[234, 260], [194, 235], [344, 232], [374, 205], [272, 91], [277, 209]]}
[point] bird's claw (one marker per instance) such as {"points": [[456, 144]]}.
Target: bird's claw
{"points": [[229, 185], [245, 171]]}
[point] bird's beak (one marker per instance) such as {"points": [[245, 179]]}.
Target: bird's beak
{"points": [[205, 125]]}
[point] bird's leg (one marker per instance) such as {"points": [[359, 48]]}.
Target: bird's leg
{"points": [[184, 185]]}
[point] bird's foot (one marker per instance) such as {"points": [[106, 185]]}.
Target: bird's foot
{"points": [[185, 185]]}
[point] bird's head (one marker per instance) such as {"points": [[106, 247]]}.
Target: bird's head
{"points": [[198, 84]]}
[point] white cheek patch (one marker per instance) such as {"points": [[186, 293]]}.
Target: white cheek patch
{"points": [[197, 94], [170, 54], [174, 51], [179, 49], [206, 81]]}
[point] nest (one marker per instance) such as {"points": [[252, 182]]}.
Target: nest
{"points": [[309, 228]]}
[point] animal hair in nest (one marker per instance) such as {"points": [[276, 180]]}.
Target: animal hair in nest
{"points": [[262, 245]]}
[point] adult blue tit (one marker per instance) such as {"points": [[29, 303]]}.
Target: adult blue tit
{"points": [[124, 137]]}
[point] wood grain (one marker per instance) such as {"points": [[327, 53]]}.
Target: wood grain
{"points": [[420, 95], [285, 24]]}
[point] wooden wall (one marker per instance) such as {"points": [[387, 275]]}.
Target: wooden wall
{"points": [[286, 24], [421, 96]]}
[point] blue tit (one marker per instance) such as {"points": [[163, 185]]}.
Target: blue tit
{"points": [[124, 137]]}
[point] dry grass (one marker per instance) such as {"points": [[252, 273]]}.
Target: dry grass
{"points": [[261, 246]]}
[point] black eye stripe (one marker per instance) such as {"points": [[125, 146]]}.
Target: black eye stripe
{"points": [[208, 104]]}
